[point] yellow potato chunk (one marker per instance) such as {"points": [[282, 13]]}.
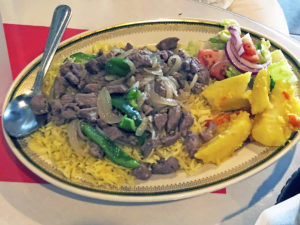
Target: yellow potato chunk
{"points": [[228, 94], [272, 127], [223, 145], [259, 97]]}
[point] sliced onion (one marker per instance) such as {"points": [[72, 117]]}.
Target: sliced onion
{"points": [[150, 127], [131, 81], [105, 108], [174, 66], [146, 80], [78, 128], [117, 51], [241, 64], [158, 101], [141, 99], [131, 65], [74, 140], [195, 78], [171, 89], [136, 85], [157, 71], [118, 81], [142, 127], [233, 60], [236, 40], [233, 52], [126, 53], [174, 81], [155, 60]]}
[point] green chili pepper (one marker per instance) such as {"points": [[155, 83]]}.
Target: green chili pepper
{"points": [[117, 66], [272, 83], [127, 124], [121, 103], [141, 139], [82, 57], [133, 93], [132, 96], [113, 152]]}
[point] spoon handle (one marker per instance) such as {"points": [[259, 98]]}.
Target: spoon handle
{"points": [[60, 20]]}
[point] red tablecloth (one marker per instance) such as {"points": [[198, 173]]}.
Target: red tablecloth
{"points": [[24, 43]]}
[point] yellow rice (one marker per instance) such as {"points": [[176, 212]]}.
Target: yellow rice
{"points": [[51, 143]]}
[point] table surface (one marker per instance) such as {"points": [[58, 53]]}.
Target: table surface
{"points": [[26, 199]]}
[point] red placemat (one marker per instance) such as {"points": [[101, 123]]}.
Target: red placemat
{"points": [[24, 43]]}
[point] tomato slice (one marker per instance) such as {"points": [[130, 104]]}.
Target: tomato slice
{"points": [[218, 70], [209, 57], [250, 53], [249, 48], [251, 58]]}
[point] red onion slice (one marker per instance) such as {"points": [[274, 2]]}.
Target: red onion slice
{"points": [[236, 60], [236, 40]]}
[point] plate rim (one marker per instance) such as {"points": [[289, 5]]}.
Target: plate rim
{"points": [[140, 197]]}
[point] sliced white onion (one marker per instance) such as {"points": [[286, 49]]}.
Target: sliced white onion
{"points": [[157, 71], [74, 140], [146, 80], [131, 81], [131, 65], [195, 78], [141, 99], [174, 66], [136, 85], [174, 81], [118, 81], [158, 101], [171, 89], [105, 108], [142, 127], [78, 127], [126, 53], [117, 51]]}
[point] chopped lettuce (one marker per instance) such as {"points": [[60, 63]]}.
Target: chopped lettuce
{"points": [[263, 51], [219, 41], [193, 47], [231, 71], [282, 71], [229, 22], [277, 56]]}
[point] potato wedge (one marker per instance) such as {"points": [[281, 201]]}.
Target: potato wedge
{"points": [[272, 127], [228, 94], [259, 97], [223, 145]]}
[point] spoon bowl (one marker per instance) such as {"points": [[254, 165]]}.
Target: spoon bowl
{"points": [[18, 118]]}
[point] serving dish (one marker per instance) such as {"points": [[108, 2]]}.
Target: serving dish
{"points": [[247, 161]]}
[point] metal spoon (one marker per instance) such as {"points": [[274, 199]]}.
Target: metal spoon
{"points": [[18, 118]]}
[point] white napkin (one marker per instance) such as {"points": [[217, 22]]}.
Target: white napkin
{"points": [[284, 213]]}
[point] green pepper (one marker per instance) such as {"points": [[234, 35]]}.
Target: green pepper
{"points": [[113, 152], [127, 124], [132, 96], [82, 57], [272, 83], [117, 66], [121, 103], [141, 139]]}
